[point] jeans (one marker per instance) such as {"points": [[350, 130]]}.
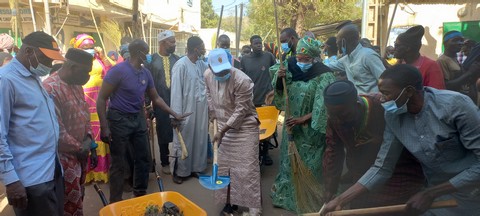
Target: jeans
{"points": [[45, 198], [128, 131]]}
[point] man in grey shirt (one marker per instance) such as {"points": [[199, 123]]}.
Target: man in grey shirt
{"points": [[440, 128], [256, 65], [362, 65]]}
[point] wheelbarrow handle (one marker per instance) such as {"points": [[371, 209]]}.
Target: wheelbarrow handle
{"points": [[101, 194], [384, 209]]}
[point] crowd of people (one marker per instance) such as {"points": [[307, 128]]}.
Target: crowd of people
{"points": [[373, 130]]}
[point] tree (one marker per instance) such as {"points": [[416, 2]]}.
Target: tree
{"points": [[298, 14], [209, 17]]}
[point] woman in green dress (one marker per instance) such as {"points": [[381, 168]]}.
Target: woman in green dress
{"points": [[306, 79]]}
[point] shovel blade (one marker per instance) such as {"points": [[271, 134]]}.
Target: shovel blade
{"points": [[210, 183]]}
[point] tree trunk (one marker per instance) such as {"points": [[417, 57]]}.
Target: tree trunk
{"points": [[300, 21]]}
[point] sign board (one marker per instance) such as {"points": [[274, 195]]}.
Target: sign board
{"points": [[7, 13]]}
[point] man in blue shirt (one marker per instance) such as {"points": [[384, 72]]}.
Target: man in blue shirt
{"points": [[440, 129], [29, 165], [124, 126]]}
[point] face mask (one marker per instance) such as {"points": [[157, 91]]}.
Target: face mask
{"points": [[325, 53], [304, 66], [41, 69], [391, 106], [229, 54], [90, 51], [390, 56], [224, 78], [148, 58], [285, 47], [344, 48]]}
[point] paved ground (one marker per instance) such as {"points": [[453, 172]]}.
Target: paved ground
{"points": [[190, 189]]}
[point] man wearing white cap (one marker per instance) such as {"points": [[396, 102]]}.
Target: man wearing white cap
{"points": [[161, 67], [230, 102]]}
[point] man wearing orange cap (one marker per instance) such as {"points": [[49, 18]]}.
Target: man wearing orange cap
{"points": [[29, 165]]}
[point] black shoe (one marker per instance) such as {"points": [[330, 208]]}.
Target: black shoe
{"points": [[196, 174], [227, 210], [235, 207], [267, 160], [177, 179]]}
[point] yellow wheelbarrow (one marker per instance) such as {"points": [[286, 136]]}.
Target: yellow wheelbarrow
{"points": [[268, 116]]}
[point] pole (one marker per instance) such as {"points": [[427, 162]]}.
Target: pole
{"points": [[218, 28], [240, 26], [33, 16], [365, 19], [48, 27], [143, 27], [391, 22], [236, 31], [150, 39], [98, 32]]}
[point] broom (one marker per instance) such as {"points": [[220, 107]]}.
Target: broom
{"points": [[308, 191]]}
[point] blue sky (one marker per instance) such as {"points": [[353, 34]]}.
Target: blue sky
{"points": [[229, 6]]}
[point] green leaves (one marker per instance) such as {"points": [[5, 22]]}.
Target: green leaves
{"points": [[208, 15]]}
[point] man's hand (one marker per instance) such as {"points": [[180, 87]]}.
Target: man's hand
{"points": [[93, 159], [17, 195], [281, 73], [333, 205], [218, 137], [176, 121], [105, 135], [269, 98], [419, 203], [296, 121]]}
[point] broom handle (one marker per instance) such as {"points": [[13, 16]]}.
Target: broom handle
{"points": [[385, 209], [215, 144], [182, 144], [284, 82]]}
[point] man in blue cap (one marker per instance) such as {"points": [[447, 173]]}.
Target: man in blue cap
{"points": [[230, 102]]}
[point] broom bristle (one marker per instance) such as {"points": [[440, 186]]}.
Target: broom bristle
{"points": [[308, 190]]}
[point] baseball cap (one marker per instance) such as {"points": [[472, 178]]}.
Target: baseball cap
{"points": [[218, 60], [45, 43], [79, 56]]}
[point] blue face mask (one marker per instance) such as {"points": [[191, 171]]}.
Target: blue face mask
{"points": [[224, 78], [90, 51], [325, 53], [344, 48], [285, 47], [229, 54], [390, 56], [41, 69], [148, 58], [304, 66], [391, 106]]}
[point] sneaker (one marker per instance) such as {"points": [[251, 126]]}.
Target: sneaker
{"points": [[177, 179], [166, 170], [227, 210]]}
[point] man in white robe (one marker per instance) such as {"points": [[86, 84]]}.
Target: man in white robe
{"points": [[188, 95]]}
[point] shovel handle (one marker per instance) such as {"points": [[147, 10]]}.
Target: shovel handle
{"points": [[385, 209], [215, 144], [182, 144]]}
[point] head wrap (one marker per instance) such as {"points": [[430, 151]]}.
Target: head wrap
{"points": [[82, 39], [165, 34], [412, 37], [309, 46], [340, 92], [6, 41], [451, 34]]}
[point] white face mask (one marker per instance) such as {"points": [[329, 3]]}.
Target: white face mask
{"points": [[90, 51]]}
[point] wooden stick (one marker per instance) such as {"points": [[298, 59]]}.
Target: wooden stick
{"points": [[384, 209], [182, 144], [98, 32]]}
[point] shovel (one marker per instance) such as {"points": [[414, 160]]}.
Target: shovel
{"points": [[214, 182]]}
